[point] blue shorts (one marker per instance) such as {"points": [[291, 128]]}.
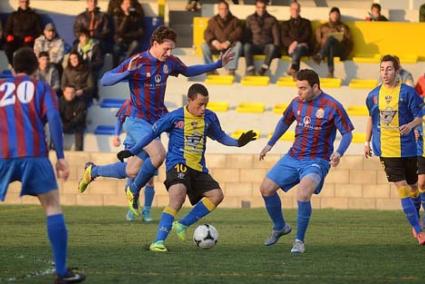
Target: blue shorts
{"points": [[35, 173], [289, 171], [136, 129]]}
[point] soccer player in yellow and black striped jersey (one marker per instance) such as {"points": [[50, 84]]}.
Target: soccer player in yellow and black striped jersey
{"points": [[187, 173], [395, 109]]}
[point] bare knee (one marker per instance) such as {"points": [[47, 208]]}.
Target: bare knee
{"points": [[133, 167], [216, 196], [268, 187], [50, 202]]}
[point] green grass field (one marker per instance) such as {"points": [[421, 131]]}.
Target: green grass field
{"points": [[341, 247]]}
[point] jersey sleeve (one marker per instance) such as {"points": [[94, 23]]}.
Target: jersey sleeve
{"points": [[288, 114], [49, 99], [342, 121], [214, 130], [178, 67]]}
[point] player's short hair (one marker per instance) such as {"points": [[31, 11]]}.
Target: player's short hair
{"points": [[376, 6], [25, 61], [43, 54], [393, 58], [197, 89], [162, 33], [308, 75], [224, 2], [265, 2]]}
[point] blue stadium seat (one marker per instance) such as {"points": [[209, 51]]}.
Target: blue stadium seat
{"points": [[104, 130], [111, 103]]}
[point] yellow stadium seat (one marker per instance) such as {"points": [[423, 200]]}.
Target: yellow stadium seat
{"points": [[199, 26], [330, 82], [357, 110], [288, 136], [220, 79], [279, 108], [371, 58], [235, 134], [286, 81], [363, 84], [359, 138], [255, 81], [251, 108], [408, 59], [218, 106]]}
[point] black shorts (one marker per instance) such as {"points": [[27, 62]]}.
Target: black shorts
{"points": [[196, 182], [398, 169], [421, 165]]}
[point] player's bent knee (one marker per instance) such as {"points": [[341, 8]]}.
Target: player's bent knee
{"points": [[268, 187], [216, 197]]}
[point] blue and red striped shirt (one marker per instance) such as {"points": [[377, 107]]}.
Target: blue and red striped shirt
{"points": [[148, 84], [317, 122], [26, 105]]}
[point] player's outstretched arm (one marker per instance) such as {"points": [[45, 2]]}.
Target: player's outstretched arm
{"points": [[120, 72], [195, 70], [244, 139]]}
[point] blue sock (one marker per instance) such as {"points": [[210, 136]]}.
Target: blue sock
{"points": [[116, 170], [202, 208], [166, 223], [417, 202], [304, 213], [58, 236], [410, 212], [274, 208], [149, 194], [143, 176]]}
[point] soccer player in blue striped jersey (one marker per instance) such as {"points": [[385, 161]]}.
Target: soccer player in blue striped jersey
{"points": [[187, 173], [149, 192], [395, 109], [147, 75], [318, 116], [26, 104]]}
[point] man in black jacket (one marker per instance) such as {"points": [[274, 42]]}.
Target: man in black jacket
{"points": [[22, 28], [296, 36]]}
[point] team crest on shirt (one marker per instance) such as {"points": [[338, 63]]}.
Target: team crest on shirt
{"points": [[388, 99], [165, 69], [158, 78], [180, 175], [387, 115], [306, 120], [148, 74], [320, 113]]}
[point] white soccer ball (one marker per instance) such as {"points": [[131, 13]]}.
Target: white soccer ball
{"points": [[205, 236]]}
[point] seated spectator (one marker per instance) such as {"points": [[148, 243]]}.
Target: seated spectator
{"points": [[296, 36], [114, 5], [375, 14], [224, 31], [50, 42], [73, 111], [420, 85], [334, 39], [78, 75], [262, 37], [129, 30], [96, 22], [22, 28], [48, 72]]}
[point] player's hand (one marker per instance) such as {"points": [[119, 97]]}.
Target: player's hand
{"points": [[227, 56], [124, 154], [62, 169], [416, 134], [116, 141], [133, 65], [367, 150], [335, 158], [264, 152], [292, 47], [246, 137], [405, 129]]}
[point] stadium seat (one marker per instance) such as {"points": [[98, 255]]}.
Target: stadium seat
{"points": [[288, 136], [357, 110], [330, 82], [279, 108], [235, 134], [286, 81], [111, 103], [359, 138], [363, 84], [374, 58], [251, 108], [255, 81], [218, 106], [104, 130], [220, 79]]}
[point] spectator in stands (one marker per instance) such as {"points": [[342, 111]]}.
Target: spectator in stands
{"points": [[115, 5], [262, 37], [96, 22], [296, 37], [420, 85], [334, 39], [50, 42], [375, 14], [78, 75], [73, 111], [406, 77], [224, 31], [22, 28], [128, 23], [48, 72]]}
